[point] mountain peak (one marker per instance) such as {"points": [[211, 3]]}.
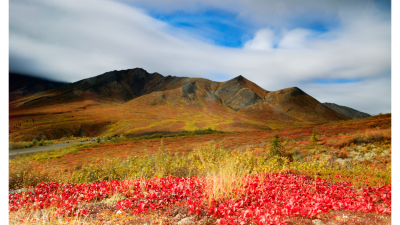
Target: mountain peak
{"points": [[252, 86], [295, 91], [240, 77]]}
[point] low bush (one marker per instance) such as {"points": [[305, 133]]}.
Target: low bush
{"points": [[23, 144], [41, 142], [370, 136], [180, 134]]}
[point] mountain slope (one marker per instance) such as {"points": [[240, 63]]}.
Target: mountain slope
{"points": [[347, 111], [22, 85], [296, 103], [133, 101], [235, 93]]}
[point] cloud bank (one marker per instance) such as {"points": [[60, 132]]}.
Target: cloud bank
{"points": [[73, 40]]}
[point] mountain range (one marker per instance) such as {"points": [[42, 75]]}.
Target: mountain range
{"points": [[133, 101]]}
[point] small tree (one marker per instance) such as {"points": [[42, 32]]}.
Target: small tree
{"points": [[41, 142], [34, 141], [276, 147], [314, 137]]}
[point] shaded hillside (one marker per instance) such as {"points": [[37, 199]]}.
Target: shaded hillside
{"points": [[347, 111], [133, 101], [296, 103], [115, 86], [22, 85]]}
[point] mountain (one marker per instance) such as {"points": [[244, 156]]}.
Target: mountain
{"points": [[22, 85], [352, 113], [114, 86], [134, 101]]}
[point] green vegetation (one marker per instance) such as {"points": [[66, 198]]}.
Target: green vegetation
{"points": [[180, 134], [276, 147], [33, 143], [204, 161], [314, 137]]}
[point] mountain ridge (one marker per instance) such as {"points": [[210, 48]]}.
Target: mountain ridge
{"points": [[21, 85], [134, 101], [347, 111]]}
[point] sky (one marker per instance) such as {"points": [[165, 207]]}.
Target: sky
{"points": [[336, 51]]}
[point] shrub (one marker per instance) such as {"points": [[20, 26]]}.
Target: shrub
{"points": [[12, 145], [370, 136], [276, 148], [41, 142], [115, 140], [343, 154], [286, 141], [31, 173], [34, 141], [314, 137]]}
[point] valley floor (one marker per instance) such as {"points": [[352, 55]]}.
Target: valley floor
{"points": [[341, 176]]}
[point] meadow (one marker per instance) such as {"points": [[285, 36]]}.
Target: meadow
{"points": [[331, 172], [90, 118]]}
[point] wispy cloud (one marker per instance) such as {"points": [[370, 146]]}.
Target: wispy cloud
{"points": [[275, 45]]}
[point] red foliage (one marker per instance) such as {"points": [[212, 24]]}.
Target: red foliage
{"points": [[264, 199]]}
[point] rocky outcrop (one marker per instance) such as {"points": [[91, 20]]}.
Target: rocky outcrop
{"points": [[235, 94]]}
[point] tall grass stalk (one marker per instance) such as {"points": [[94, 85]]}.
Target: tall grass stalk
{"points": [[225, 182]]}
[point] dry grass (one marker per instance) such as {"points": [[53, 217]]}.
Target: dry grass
{"points": [[44, 217], [225, 182], [31, 173], [369, 136]]}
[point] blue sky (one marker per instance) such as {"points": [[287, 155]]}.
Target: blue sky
{"points": [[216, 26], [224, 27], [336, 51]]}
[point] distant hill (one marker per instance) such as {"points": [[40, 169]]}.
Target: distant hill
{"points": [[352, 113], [134, 101], [22, 85]]}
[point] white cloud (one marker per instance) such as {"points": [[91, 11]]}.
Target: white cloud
{"points": [[369, 96], [296, 38], [263, 40], [76, 40]]}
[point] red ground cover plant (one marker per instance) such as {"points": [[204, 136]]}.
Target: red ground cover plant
{"points": [[262, 199]]}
